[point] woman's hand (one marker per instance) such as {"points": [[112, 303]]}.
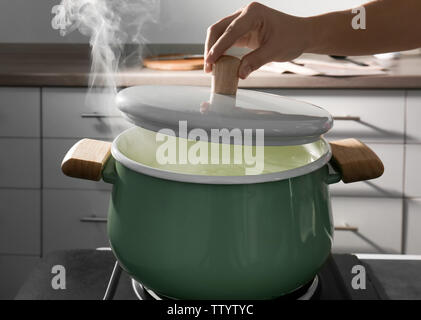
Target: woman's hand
{"points": [[274, 36]]}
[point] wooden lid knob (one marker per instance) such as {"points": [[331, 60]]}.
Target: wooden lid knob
{"points": [[225, 75]]}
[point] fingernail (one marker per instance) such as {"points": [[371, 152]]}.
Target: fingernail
{"points": [[204, 107], [244, 72], [208, 67]]}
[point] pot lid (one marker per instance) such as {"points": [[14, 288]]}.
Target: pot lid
{"points": [[250, 116]]}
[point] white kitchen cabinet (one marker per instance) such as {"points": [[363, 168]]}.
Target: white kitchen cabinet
{"points": [[378, 222], [20, 112], [20, 221], [380, 112], [413, 222], [412, 170], [389, 185], [66, 114], [74, 219], [413, 116], [14, 270], [54, 151], [20, 163]]}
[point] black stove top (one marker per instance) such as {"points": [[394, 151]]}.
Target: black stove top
{"points": [[88, 274]]}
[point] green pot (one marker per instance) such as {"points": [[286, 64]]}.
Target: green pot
{"points": [[207, 241], [193, 240]]}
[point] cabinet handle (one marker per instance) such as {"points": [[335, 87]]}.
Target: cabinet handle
{"points": [[346, 227], [346, 118], [98, 115], [93, 220]]}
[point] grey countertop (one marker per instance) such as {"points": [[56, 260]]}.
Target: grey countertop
{"points": [[69, 65]]}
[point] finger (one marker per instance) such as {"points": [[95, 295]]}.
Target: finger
{"points": [[214, 32], [235, 30], [244, 41], [217, 29], [254, 60], [204, 107]]}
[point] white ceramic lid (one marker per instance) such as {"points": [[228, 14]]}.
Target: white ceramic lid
{"points": [[285, 121]]}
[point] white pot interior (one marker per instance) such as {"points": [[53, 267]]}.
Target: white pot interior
{"points": [[137, 149]]}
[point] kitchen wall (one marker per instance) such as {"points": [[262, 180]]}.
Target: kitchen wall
{"points": [[182, 21]]}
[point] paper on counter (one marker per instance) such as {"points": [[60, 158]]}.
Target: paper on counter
{"points": [[311, 67]]}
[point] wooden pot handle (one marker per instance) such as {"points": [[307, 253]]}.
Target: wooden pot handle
{"points": [[225, 75], [355, 160], [86, 159]]}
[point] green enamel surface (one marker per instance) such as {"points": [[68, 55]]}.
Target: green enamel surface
{"points": [[275, 158], [201, 241]]}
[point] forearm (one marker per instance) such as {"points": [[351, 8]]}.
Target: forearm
{"points": [[391, 25]]}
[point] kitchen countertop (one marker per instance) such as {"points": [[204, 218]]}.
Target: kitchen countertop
{"points": [[69, 65]]}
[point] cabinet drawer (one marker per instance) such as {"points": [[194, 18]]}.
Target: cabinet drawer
{"points": [[67, 115], [64, 211], [390, 184], [20, 221], [54, 151], [20, 112], [14, 270], [20, 165], [381, 112], [379, 223], [413, 116], [413, 232]]}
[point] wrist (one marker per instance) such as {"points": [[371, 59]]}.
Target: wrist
{"points": [[312, 35]]}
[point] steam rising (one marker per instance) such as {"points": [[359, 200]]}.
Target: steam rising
{"points": [[110, 25]]}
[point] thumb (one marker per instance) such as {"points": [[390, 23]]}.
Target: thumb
{"points": [[253, 61]]}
